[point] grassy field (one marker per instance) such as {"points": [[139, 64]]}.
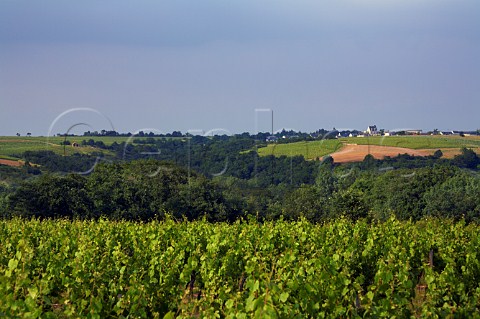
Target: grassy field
{"points": [[314, 149], [11, 147], [309, 150]]}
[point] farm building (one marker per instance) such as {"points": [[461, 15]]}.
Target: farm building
{"points": [[413, 132]]}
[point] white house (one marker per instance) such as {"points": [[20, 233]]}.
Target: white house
{"points": [[272, 138], [372, 130]]}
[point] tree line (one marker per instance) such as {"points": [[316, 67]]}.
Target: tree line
{"points": [[150, 189], [224, 179]]}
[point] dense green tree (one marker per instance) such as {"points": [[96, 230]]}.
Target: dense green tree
{"points": [[438, 154], [200, 198], [308, 202], [4, 192], [51, 196], [138, 190], [399, 192], [326, 179], [135, 190], [369, 162], [49, 161], [457, 197], [467, 159], [350, 203]]}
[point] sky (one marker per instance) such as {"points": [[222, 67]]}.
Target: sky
{"points": [[219, 66]]}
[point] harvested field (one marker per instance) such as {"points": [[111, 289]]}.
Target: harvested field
{"points": [[11, 163], [356, 153]]}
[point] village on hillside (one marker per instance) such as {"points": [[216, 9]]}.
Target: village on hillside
{"points": [[371, 130]]}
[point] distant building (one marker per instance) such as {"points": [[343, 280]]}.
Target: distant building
{"points": [[371, 130], [413, 132], [272, 138]]}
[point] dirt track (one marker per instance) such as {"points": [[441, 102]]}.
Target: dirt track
{"points": [[356, 153], [11, 163]]}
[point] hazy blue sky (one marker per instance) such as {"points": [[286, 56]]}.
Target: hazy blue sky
{"points": [[187, 65]]}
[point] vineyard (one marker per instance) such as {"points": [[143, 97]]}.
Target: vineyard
{"points": [[102, 269]]}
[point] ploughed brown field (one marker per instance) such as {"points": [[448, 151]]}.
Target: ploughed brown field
{"points": [[356, 153], [11, 163]]}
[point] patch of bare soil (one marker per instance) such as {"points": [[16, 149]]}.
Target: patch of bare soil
{"points": [[356, 153], [11, 163]]}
